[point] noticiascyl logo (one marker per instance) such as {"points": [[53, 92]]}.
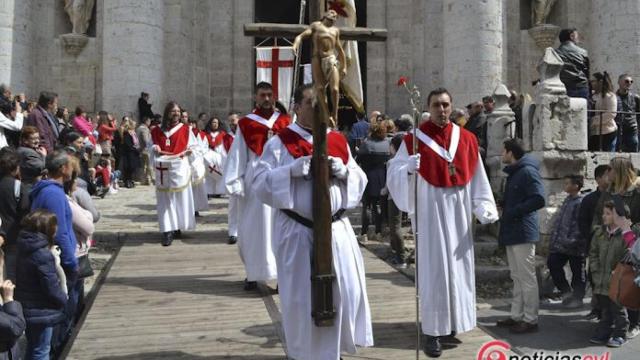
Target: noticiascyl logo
{"points": [[494, 350]]}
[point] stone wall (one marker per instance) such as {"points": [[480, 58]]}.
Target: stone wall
{"points": [[231, 57], [615, 37]]}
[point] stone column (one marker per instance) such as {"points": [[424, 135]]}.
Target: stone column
{"points": [[132, 54], [221, 57], [473, 48], [243, 60], [16, 44], [179, 52], [376, 59], [7, 17], [615, 37]]}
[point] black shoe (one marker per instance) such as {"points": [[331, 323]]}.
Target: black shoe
{"points": [[250, 285], [593, 315], [102, 193], [432, 347], [232, 240], [177, 234], [167, 238], [451, 339], [509, 322], [523, 327], [197, 214]]}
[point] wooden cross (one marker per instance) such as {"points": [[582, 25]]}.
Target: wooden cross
{"points": [[316, 9], [322, 277]]}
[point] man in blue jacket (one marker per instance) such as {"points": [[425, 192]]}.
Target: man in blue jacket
{"points": [[523, 197], [49, 195]]}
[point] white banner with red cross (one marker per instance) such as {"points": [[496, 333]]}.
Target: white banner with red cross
{"points": [[275, 66]]}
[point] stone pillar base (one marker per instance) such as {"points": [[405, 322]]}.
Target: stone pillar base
{"points": [[544, 35]]}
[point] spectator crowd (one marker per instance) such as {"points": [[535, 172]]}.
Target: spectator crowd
{"points": [[53, 165]]}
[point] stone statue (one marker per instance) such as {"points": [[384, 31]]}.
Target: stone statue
{"points": [[328, 61], [540, 10], [79, 12]]}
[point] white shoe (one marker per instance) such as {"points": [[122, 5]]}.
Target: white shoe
{"points": [[113, 190], [363, 240]]}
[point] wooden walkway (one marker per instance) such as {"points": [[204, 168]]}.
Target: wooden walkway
{"points": [[187, 302]]}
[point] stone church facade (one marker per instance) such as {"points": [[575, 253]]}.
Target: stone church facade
{"points": [[195, 52]]}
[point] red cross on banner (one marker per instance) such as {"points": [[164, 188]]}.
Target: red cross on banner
{"points": [[275, 66], [161, 170]]}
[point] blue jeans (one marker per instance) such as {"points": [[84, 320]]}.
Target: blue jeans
{"points": [[63, 329], [38, 342], [629, 141], [579, 93]]}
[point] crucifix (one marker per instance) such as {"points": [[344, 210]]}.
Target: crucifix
{"points": [[322, 276]]}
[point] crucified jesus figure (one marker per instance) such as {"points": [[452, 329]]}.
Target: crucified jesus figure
{"points": [[328, 61]]}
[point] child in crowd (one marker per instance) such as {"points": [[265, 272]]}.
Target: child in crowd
{"points": [[608, 246], [568, 245], [106, 179], [39, 283]]}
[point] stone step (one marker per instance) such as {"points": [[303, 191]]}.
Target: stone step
{"points": [[485, 249], [492, 273], [485, 239]]}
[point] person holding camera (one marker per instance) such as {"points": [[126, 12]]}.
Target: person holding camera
{"points": [[11, 119]]}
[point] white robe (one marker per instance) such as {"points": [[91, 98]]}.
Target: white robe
{"points": [[293, 244], [254, 217], [232, 216], [199, 186], [175, 208], [445, 242], [216, 186]]}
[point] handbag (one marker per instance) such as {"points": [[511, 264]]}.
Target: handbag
{"points": [[622, 288], [84, 266]]}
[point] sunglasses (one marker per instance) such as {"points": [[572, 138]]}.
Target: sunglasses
{"points": [[629, 81]]}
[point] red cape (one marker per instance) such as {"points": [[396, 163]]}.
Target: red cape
{"points": [[297, 146], [433, 168], [221, 138], [256, 134], [178, 141]]}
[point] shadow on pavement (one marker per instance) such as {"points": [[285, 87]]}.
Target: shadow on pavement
{"points": [[179, 355], [393, 277], [192, 284]]}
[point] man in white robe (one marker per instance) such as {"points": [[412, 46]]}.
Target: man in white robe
{"points": [[452, 187], [282, 182], [198, 169], [172, 145], [219, 143], [232, 216], [254, 217]]}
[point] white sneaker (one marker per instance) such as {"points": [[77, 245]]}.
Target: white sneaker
{"points": [[113, 190], [363, 240], [633, 332]]}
